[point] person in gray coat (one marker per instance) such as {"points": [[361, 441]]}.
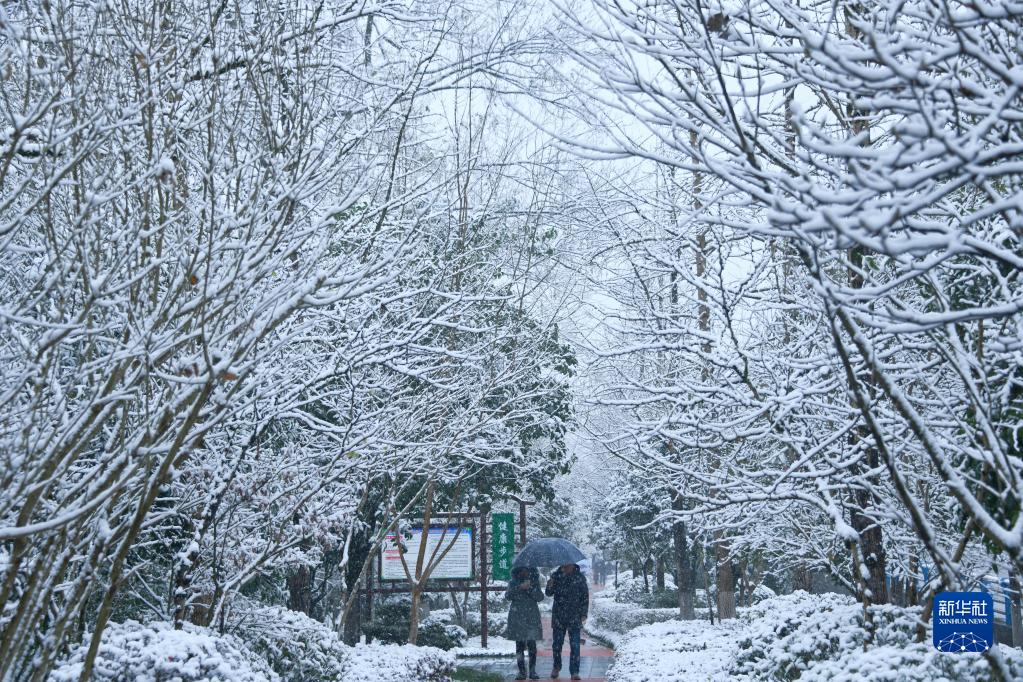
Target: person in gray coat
{"points": [[524, 625]]}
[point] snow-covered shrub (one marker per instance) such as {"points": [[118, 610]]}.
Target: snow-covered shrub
{"points": [[156, 652], [495, 600], [392, 663], [392, 620], [762, 592], [497, 623], [435, 632], [820, 637], [297, 647], [913, 662], [659, 599], [675, 651], [787, 633], [631, 589], [609, 614]]}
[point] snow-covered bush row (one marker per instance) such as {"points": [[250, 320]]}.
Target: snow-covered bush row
{"points": [[618, 617], [297, 647], [820, 637], [434, 631], [616, 611], [804, 637], [675, 651], [156, 652], [392, 620], [496, 622], [630, 588], [398, 663], [272, 644]]}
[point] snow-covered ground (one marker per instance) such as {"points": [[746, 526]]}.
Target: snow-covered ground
{"points": [[800, 636], [675, 651], [496, 647], [393, 663], [291, 648]]}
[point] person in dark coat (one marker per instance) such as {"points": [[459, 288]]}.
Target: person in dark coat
{"points": [[571, 607], [524, 625]]}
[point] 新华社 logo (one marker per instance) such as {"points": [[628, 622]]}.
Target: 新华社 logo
{"points": [[964, 622]]}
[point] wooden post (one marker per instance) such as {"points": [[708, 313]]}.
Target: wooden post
{"points": [[483, 578], [522, 524], [522, 520], [369, 595]]}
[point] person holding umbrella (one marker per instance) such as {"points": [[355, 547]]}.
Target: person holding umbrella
{"points": [[568, 587], [571, 607], [524, 625]]}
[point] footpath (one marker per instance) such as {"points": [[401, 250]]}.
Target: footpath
{"points": [[593, 665]]}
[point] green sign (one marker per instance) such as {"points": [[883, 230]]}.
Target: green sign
{"points": [[503, 543]]}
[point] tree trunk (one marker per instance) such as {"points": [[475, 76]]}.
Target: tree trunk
{"points": [[358, 551], [659, 574], [413, 629], [685, 573], [871, 542], [706, 591], [300, 590], [456, 605], [353, 624], [912, 598], [802, 579], [898, 592], [725, 579]]}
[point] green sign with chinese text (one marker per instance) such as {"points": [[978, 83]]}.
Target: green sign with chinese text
{"points": [[503, 544]]}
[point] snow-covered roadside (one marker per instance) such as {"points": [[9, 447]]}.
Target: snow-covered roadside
{"points": [[818, 638], [398, 663], [279, 646], [615, 612], [676, 651], [497, 647], [605, 636]]}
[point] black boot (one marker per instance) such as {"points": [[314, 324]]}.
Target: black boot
{"points": [[532, 665], [522, 667]]}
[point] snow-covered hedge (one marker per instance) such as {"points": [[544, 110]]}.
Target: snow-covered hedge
{"points": [[621, 618], [611, 615], [282, 645], [497, 623], [156, 652], [435, 631], [810, 638], [631, 588], [394, 663], [301, 649], [675, 651], [393, 618], [297, 647], [820, 637]]}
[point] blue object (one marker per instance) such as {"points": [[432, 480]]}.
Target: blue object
{"points": [[964, 622], [548, 552], [1007, 595]]}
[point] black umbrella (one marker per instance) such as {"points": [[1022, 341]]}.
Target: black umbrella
{"points": [[548, 552]]}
